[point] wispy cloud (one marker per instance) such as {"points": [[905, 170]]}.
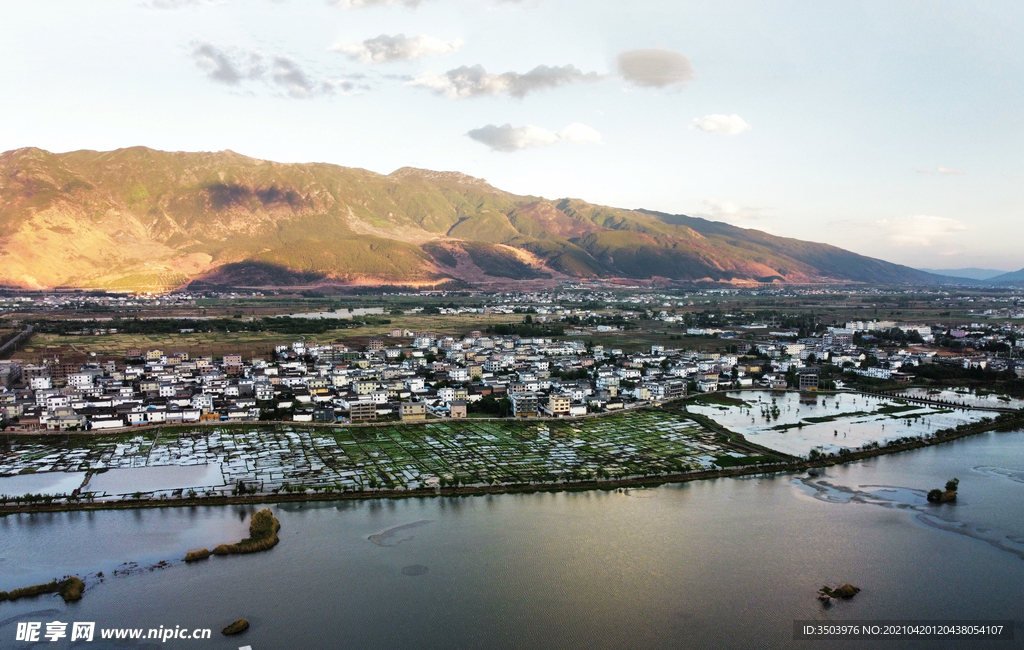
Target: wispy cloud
{"points": [[744, 216], [385, 49], [725, 124], [920, 230], [233, 66], [516, 138], [656, 68], [946, 171], [474, 81], [225, 66]]}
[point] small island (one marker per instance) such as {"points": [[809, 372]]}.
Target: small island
{"points": [[70, 589], [263, 529], [945, 496], [846, 591], [239, 626]]}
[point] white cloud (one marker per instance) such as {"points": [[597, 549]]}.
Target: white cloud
{"points": [[744, 216], [227, 66], [946, 171], [656, 68], [510, 138], [473, 81], [920, 230], [359, 4], [175, 4], [287, 74], [726, 124], [577, 132], [384, 48], [232, 67]]}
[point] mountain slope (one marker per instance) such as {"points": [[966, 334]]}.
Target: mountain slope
{"points": [[150, 220], [1014, 277], [971, 273]]}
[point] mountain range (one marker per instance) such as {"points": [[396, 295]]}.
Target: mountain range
{"points": [[146, 220], [972, 273]]}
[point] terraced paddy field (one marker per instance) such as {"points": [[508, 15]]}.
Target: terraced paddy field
{"points": [[168, 462]]}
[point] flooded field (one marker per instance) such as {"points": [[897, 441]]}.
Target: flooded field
{"points": [[154, 478], [42, 483], [274, 459], [965, 396], [340, 313], [795, 424]]}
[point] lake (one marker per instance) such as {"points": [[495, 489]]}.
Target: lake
{"points": [[726, 563]]}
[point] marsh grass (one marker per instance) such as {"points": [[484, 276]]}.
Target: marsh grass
{"points": [[195, 556], [70, 589], [263, 529], [239, 626]]}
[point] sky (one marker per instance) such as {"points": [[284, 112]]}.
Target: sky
{"points": [[892, 128]]}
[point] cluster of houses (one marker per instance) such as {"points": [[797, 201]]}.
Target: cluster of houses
{"points": [[418, 375], [408, 376]]}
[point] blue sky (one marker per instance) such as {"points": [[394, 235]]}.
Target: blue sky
{"points": [[889, 128]]}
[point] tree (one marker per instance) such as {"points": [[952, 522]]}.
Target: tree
{"points": [[952, 485], [504, 407]]}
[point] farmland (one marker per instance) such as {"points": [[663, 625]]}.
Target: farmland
{"points": [[352, 459], [246, 343]]}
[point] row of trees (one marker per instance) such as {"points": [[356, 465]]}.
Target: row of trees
{"points": [[281, 325]]}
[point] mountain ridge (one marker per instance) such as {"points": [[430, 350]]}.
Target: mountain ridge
{"points": [[970, 273], [143, 219], [1013, 277]]}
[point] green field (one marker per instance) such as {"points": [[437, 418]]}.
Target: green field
{"points": [[271, 459], [248, 343]]}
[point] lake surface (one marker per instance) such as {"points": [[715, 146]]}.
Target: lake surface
{"points": [[726, 563]]}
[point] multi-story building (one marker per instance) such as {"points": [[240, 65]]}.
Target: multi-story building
{"points": [[412, 411], [362, 411], [525, 405]]}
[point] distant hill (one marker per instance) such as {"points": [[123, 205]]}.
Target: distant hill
{"points": [[142, 219], [1015, 277], [970, 273]]}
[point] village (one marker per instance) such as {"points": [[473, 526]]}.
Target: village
{"points": [[408, 376]]}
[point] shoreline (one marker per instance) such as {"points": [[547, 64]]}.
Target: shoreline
{"points": [[481, 490]]}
